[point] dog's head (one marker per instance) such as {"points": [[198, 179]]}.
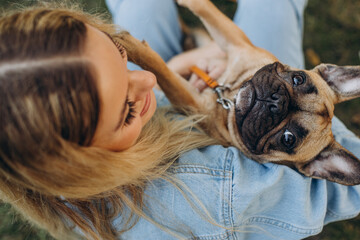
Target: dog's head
{"points": [[285, 114]]}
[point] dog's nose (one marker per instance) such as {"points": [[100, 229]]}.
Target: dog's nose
{"points": [[276, 107], [277, 101]]}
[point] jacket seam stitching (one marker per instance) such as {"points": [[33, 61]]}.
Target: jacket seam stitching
{"points": [[229, 214], [283, 225], [200, 170], [222, 236]]}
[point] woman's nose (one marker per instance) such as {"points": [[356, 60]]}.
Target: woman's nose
{"points": [[140, 83]]}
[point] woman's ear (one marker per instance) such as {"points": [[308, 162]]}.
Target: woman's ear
{"points": [[343, 80]]}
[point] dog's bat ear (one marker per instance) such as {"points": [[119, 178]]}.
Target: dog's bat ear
{"points": [[335, 164], [343, 80]]}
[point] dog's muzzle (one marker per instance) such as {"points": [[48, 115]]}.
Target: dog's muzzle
{"points": [[260, 105]]}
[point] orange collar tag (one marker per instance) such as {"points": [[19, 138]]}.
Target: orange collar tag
{"points": [[206, 78]]}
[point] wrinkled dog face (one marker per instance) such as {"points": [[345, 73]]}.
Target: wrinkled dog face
{"points": [[285, 114], [280, 110]]}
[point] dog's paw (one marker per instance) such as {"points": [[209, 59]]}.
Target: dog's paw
{"points": [[193, 5]]}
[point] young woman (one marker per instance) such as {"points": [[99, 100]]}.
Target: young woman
{"points": [[87, 150]]}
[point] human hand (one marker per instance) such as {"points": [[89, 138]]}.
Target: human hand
{"points": [[214, 67], [205, 57]]}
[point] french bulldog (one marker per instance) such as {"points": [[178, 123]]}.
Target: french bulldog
{"points": [[277, 113]]}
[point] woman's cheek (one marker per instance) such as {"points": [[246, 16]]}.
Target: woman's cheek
{"points": [[135, 131], [151, 110], [126, 137]]}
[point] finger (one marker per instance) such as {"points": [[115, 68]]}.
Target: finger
{"points": [[200, 85], [213, 63], [216, 72], [202, 64], [177, 65], [197, 82], [193, 79]]}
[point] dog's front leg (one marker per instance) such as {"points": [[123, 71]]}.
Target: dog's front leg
{"points": [[243, 57], [178, 90], [224, 31]]}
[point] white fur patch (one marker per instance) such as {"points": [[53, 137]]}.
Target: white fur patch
{"points": [[333, 163], [350, 85]]}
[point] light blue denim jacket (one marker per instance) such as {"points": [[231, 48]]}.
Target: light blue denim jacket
{"points": [[258, 201]]}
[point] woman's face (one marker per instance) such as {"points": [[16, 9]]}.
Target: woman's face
{"points": [[127, 101]]}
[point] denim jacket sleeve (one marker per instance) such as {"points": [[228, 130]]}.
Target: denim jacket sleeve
{"points": [[274, 200], [221, 194], [225, 195]]}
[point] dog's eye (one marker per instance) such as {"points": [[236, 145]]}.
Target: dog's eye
{"points": [[288, 139], [298, 79]]}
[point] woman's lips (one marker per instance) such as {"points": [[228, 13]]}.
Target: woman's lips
{"points": [[146, 105]]}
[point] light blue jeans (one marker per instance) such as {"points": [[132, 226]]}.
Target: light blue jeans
{"points": [[276, 26]]}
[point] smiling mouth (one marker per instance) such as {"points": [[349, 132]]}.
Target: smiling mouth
{"points": [[146, 105]]}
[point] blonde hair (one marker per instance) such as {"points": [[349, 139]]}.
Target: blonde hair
{"points": [[49, 111]]}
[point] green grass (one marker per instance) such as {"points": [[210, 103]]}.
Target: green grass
{"points": [[332, 35], [13, 228]]}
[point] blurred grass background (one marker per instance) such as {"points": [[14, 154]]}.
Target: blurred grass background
{"points": [[331, 35]]}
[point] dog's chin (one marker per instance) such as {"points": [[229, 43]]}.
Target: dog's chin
{"points": [[244, 101]]}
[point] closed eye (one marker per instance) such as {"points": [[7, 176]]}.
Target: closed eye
{"points": [[131, 113]]}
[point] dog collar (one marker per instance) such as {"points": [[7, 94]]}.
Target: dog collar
{"points": [[215, 86]]}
